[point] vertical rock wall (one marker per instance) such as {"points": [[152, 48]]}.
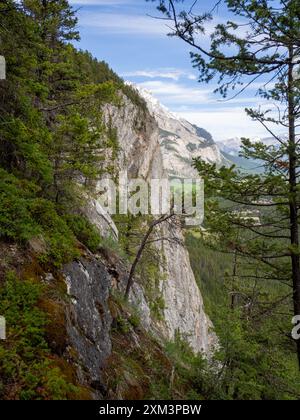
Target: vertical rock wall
{"points": [[141, 155]]}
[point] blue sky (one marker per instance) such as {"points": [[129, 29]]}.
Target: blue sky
{"points": [[122, 33]]}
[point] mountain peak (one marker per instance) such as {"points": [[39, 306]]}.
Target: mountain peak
{"points": [[154, 105], [180, 140]]}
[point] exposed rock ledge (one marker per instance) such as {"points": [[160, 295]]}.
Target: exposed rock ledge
{"points": [[89, 319]]}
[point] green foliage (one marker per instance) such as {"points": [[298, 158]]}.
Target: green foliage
{"points": [[133, 95], [152, 370], [112, 141], [84, 231], [189, 366], [60, 241], [122, 325], [156, 303], [135, 319], [210, 268], [255, 217], [16, 221], [58, 387], [111, 244], [255, 359], [150, 268], [190, 374], [149, 271], [23, 216], [52, 134], [128, 315], [26, 369]]}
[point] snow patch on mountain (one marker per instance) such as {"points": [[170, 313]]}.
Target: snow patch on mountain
{"points": [[180, 140]]}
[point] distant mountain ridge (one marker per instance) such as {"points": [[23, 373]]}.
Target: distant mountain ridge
{"points": [[245, 165], [181, 141], [232, 145]]}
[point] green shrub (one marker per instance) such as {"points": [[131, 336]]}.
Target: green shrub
{"points": [[133, 95], [191, 368], [16, 221], [24, 216], [110, 244], [84, 231], [26, 370], [188, 376], [254, 356], [57, 234]]}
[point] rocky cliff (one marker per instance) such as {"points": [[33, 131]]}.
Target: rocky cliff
{"points": [[92, 280], [181, 141]]}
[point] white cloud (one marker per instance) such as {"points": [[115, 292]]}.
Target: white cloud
{"points": [[176, 94], [163, 73], [201, 107], [226, 123], [186, 98], [123, 24]]}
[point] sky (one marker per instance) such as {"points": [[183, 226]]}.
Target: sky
{"points": [[136, 46]]}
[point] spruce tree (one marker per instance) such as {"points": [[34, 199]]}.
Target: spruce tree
{"points": [[260, 44]]}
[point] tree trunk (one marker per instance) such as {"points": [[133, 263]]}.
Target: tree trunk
{"points": [[294, 229], [137, 259], [141, 250]]}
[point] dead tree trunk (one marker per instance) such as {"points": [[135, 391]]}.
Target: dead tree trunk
{"points": [[141, 250]]}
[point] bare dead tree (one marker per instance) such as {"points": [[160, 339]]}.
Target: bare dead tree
{"points": [[146, 240]]}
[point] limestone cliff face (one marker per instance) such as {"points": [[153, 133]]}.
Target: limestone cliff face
{"points": [[138, 138], [181, 141], [184, 310], [90, 280], [141, 154]]}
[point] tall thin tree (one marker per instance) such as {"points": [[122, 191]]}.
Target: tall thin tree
{"points": [[261, 45]]}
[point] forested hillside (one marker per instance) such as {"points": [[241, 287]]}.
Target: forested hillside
{"points": [[52, 132], [52, 145], [55, 143], [250, 319], [66, 119]]}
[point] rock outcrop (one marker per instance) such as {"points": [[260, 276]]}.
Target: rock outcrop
{"points": [[184, 310], [89, 281], [89, 319], [138, 138], [181, 141], [100, 218], [142, 155]]}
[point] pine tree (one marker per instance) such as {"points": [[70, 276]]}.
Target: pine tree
{"points": [[55, 25], [261, 44], [53, 132]]}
